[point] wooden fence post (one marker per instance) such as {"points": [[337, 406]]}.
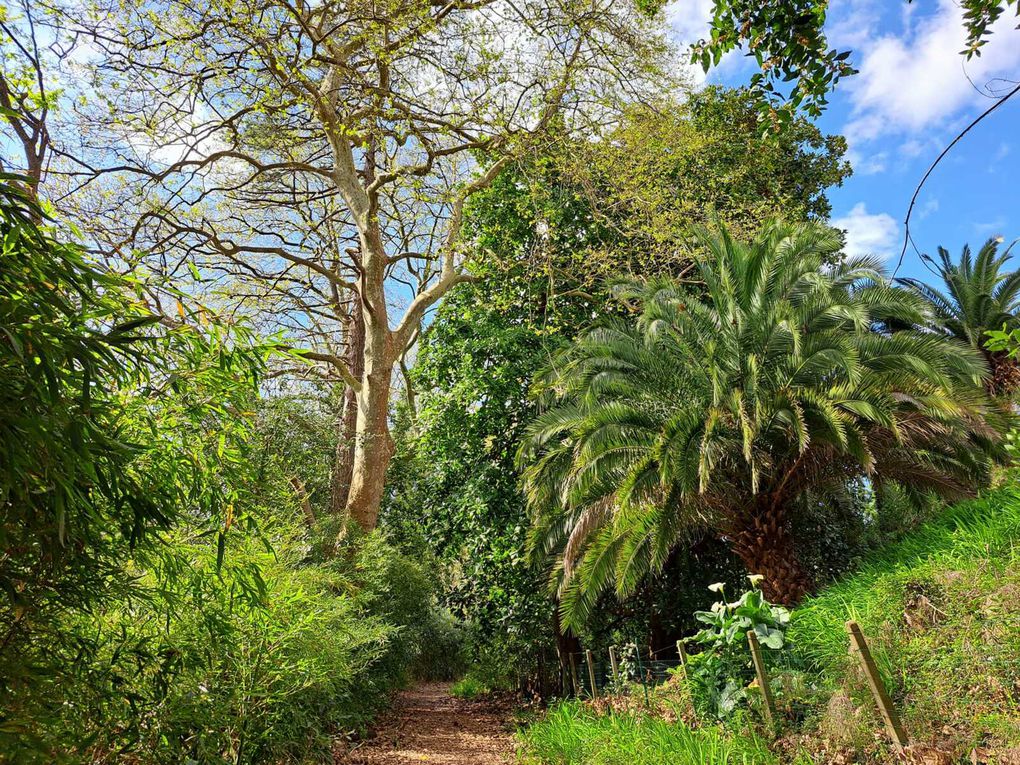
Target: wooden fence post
{"points": [[613, 664], [593, 689], [893, 726], [573, 675], [763, 680], [682, 653]]}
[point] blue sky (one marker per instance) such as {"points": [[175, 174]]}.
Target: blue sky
{"points": [[913, 95]]}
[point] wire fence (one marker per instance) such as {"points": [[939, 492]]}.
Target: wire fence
{"points": [[592, 675]]}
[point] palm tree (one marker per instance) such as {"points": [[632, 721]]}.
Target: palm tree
{"points": [[719, 409], [979, 296]]}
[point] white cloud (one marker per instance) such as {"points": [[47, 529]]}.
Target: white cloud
{"points": [[929, 207], [990, 228], [689, 19], [689, 22], [868, 164], [866, 233], [852, 23], [918, 80]]}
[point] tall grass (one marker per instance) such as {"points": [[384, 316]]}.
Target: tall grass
{"points": [[573, 733], [983, 530], [941, 609]]}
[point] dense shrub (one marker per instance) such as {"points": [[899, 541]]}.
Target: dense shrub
{"points": [[264, 659], [164, 597]]}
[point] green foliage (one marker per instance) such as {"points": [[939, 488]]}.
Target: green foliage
{"points": [[235, 678], [728, 623], [113, 428], [980, 295], [295, 438], [788, 42], [978, 304], [549, 233], [636, 195], [1004, 340], [785, 382], [265, 660], [469, 687], [938, 608], [571, 732], [719, 675], [939, 611], [962, 537], [442, 651], [978, 18], [162, 597]]}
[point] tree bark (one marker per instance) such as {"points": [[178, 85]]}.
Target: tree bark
{"points": [[373, 445], [343, 467], [566, 644], [1005, 377], [763, 542], [302, 493]]}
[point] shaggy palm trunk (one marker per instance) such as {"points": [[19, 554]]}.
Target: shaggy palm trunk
{"points": [[1005, 377], [763, 542], [343, 468]]}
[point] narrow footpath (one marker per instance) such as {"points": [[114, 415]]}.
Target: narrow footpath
{"points": [[427, 724]]}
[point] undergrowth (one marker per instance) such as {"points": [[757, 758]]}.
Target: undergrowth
{"points": [[468, 688], [941, 611], [574, 733]]}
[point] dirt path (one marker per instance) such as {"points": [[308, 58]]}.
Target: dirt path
{"points": [[427, 724]]}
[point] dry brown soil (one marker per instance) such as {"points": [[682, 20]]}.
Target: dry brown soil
{"points": [[427, 724]]}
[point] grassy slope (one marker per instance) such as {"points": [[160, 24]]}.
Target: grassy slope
{"points": [[941, 610]]}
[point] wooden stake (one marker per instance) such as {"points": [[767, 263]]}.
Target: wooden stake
{"points": [[682, 653], [573, 675], [613, 664], [893, 726], [763, 680], [592, 688]]}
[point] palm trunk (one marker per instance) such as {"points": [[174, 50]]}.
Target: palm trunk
{"points": [[763, 542], [1004, 379], [566, 644]]}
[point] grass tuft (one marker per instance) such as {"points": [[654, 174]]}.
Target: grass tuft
{"points": [[573, 733]]}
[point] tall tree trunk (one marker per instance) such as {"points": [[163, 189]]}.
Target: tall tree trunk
{"points": [[657, 635], [763, 541], [373, 445], [343, 467]]}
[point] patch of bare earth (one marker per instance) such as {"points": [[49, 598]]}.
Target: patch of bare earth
{"points": [[427, 724]]}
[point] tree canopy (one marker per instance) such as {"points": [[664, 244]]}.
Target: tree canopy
{"points": [[722, 409]]}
